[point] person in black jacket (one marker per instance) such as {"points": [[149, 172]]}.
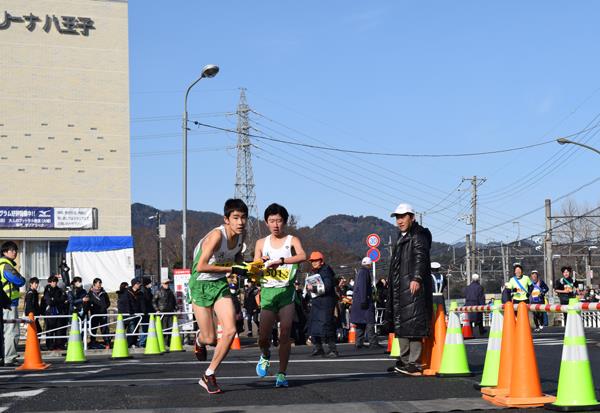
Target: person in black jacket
{"points": [[537, 293], [362, 311], [130, 303], [164, 302], [322, 322], [410, 302], [147, 308], [98, 304], [251, 306], [32, 301], [78, 298], [55, 304], [474, 295]]}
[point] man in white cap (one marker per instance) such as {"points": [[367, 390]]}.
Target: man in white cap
{"points": [[439, 285], [474, 295], [409, 307], [362, 311]]}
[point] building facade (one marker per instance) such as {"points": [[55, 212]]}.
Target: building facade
{"points": [[64, 125]]}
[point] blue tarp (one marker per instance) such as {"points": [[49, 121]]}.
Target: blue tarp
{"points": [[79, 244]]}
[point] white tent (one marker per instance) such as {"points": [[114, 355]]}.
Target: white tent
{"points": [[107, 258]]}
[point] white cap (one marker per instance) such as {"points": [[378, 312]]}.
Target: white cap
{"points": [[475, 277], [403, 209], [366, 261], [436, 265]]}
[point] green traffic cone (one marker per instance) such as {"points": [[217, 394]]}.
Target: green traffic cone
{"points": [[120, 345], [175, 344], [152, 347], [454, 359], [491, 367], [75, 352], [575, 383], [395, 348], [159, 333]]}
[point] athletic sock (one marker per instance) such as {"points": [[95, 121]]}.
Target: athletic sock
{"points": [[209, 372]]}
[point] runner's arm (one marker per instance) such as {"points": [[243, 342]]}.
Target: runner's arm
{"points": [[258, 249], [299, 250], [209, 246]]}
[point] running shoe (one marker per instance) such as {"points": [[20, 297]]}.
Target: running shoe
{"points": [[209, 383], [262, 367], [281, 380], [200, 350], [411, 369]]}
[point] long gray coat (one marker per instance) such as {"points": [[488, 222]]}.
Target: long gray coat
{"points": [[410, 315]]}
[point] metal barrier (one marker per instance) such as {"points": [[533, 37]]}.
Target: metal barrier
{"points": [[85, 325]]}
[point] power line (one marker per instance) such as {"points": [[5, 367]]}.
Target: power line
{"points": [[403, 155]]}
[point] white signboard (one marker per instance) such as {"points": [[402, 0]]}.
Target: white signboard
{"points": [[73, 218]]}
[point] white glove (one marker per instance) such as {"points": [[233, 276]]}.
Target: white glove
{"points": [[273, 263]]}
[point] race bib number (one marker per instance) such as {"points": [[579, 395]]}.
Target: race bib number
{"points": [[535, 293]]}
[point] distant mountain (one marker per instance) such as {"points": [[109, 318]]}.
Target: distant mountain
{"points": [[341, 238]]}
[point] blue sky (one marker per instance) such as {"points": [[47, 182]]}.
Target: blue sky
{"points": [[387, 76]]}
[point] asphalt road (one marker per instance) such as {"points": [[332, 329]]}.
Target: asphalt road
{"points": [[357, 381]]}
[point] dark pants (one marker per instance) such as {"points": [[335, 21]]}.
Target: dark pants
{"points": [[330, 341], [538, 319], [250, 318], [369, 329], [96, 322], [410, 350], [51, 324], [130, 327]]}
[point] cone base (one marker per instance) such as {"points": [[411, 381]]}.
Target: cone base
{"points": [[558, 408], [494, 391], [507, 401], [76, 361], [42, 366], [177, 351], [443, 375], [120, 357], [429, 372]]}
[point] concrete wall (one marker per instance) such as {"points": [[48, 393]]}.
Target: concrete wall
{"points": [[64, 114]]}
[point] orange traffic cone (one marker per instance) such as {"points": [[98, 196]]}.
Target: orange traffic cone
{"points": [[391, 337], [439, 337], [525, 387], [33, 356], [235, 344], [506, 356], [467, 330], [352, 334]]}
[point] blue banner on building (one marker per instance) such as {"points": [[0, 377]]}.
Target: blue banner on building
{"points": [[47, 218]]}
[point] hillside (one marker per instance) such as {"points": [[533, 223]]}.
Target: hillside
{"points": [[340, 237]]}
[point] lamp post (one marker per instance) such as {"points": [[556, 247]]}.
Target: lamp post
{"points": [[207, 71], [565, 141]]}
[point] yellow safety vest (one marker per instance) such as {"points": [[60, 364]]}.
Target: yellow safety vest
{"points": [[9, 288], [521, 293]]}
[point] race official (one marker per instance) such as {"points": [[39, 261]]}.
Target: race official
{"points": [[11, 282]]}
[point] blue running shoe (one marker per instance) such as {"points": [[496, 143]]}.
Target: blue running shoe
{"points": [[262, 367], [281, 381]]}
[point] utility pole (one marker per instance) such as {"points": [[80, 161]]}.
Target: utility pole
{"points": [[473, 220], [468, 258], [548, 264], [244, 176]]}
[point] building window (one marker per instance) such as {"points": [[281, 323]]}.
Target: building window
{"points": [[36, 259]]}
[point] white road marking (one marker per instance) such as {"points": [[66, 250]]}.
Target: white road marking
{"points": [[56, 373], [195, 379], [23, 394]]}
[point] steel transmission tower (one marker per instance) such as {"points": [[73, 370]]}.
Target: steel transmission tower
{"points": [[244, 177]]}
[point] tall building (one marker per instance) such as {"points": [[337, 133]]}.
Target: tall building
{"points": [[64, 125]]}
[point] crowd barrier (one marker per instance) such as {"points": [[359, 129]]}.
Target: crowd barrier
{"points": [[106, 321]]}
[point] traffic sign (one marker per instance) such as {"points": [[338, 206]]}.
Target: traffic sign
{"points": [[374, 254], [373, 240]]}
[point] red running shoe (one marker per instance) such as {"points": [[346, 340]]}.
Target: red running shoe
{"points": [[209, 383]]}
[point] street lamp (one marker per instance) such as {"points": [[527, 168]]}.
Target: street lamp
{"points": [[207, 71], [564, 141]]}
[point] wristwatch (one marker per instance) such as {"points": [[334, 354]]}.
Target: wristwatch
{"points": [[282, 260]]}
